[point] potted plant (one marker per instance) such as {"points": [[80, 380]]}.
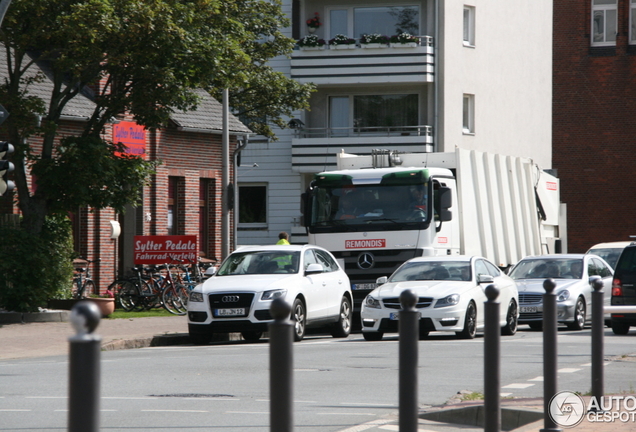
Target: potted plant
{"points": [[313, 23], [403, 40], [374, 40], [105, 302], [311, 42], [341, 41]]}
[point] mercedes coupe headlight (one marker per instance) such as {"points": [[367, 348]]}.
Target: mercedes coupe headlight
{"points": [[372, 302], [563, 295], [273, 294], [450, 300], [196, 296]]}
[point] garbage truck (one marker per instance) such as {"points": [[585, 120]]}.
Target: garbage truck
{"points": [[376, 211]]}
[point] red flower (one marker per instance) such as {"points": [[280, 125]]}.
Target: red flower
{"points": [[315, 21]]}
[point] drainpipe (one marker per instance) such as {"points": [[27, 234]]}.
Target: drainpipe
{"points": [[239, 149], [436, 57], [225, 178]]}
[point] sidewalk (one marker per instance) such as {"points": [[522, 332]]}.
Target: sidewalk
{"points": [[50, 338]]}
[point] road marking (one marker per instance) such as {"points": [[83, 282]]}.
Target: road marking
{"points": [[586, 364], [568, 370], [372, 404], [340, 413], [539, 378], [518, 386], [246, 412], [184, 411], [368, 425], [45, 397], [504, 394], [15, 410]]}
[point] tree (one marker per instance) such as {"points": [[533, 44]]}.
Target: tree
{"points": [[137, 56]]}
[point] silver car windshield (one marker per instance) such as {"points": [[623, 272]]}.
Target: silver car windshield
{"points": [[260, 262], [432, 270], [548, 268]]}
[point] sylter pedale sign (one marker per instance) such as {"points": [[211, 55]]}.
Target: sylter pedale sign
{"points": [[165, 249]]}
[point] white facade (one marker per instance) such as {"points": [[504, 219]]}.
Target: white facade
{"points": [[480, 78]]}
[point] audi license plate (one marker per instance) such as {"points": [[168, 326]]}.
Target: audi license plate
{"points": [[364, 286], [229, 312], [529, 309]]}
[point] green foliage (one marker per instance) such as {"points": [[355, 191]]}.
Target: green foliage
{"points": [[35, 268], [100, 175]]}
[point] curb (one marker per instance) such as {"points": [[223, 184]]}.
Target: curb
{"points": [[33, 317], [162, 340]]}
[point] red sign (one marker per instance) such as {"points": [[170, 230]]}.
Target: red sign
{"points": [[362, 244], [132, 135], [165, 249], [442, 239], [551, 186]]}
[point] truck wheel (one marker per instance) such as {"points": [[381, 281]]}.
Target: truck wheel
{"points": [[470, 323], [372, 336], [342, 328], [511, 320], [620, 328], [579, 315], [299, 316]]}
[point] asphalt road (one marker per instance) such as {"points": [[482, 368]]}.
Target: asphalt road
{"points": [[338, 383]]}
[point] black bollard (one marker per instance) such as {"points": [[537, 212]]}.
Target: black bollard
{"points": [[409, 335], [281, 363], [549, 353], [84, 369], [598, 325], [492, 340]]}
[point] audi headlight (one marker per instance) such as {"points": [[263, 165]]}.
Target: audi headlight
{"points": [[450, 300], [273, 294], [196, 296], [372, 302], [563, 295]]}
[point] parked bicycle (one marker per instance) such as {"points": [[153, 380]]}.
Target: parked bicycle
{"points": [[83, 284]]}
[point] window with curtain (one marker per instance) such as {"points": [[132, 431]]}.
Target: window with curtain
{"points": [[604, 22]]}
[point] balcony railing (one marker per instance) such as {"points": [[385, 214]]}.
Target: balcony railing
{"points": [[366, 131]]}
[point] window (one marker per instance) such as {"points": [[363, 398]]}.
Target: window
{"points": [[469, 26], [327, 262], [373, 113], [604, 22], [204, 220], [385, 20], [252, 204], [468, 114], [173, 206], [632, 22]]}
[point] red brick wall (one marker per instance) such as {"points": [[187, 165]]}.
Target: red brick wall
{"points": [[594, 127]]}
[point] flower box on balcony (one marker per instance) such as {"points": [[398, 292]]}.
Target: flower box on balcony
{"points": [[373, 45], [404, 45], [342, 46], [311, 48]]}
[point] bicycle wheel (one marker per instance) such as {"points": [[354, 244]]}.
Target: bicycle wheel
{"points": [[127, 294], [172, 301], [184, 293], [89, 289]]}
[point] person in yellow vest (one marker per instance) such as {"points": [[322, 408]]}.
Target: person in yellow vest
{"points": [[283, 238]]}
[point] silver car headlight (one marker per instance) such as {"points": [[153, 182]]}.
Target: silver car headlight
{"points": [[372, 302], [563, 295], [196, 296], [273, 294], [449, 300]]}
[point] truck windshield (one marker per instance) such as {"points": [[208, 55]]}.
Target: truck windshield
{"points": [[348, 206]]}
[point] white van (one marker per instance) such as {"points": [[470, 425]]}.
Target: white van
{"points": [[609, 251]]}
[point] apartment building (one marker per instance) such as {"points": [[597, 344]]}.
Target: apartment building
{"points": [[479, 76], [594, 148]]}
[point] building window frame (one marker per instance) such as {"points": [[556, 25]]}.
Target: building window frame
{"points": [[468, 114], [253, 205], [632, 22], [604, 14], [349, 12], [468, 37]]}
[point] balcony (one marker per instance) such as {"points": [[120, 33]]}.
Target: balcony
{"points": [[358, 64], [314, 149]]}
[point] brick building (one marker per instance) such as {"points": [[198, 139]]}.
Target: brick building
{"points": [[594, 126], [185, 194]]}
